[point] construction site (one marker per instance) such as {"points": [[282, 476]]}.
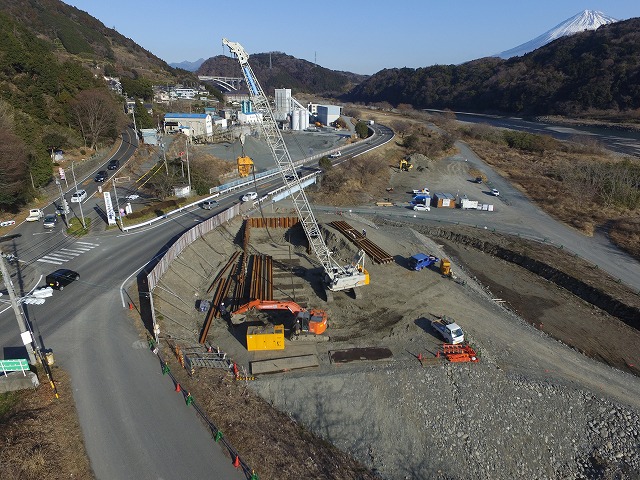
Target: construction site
{"points": [[373, 335]]}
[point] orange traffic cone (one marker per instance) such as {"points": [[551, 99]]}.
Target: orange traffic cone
{"points": [[236, 462], [419, 357], [178, 389], [130, 306]]}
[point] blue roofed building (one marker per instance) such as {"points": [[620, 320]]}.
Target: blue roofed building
{"points": [[192, 124]]}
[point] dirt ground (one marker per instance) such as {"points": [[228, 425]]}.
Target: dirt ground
{"points": [[40, 436], [352, 405]]}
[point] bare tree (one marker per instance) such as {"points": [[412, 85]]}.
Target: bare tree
{"points": [[401, 127], [95, 113]]}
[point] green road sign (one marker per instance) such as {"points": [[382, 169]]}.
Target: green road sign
{"points": [[14, 365]]}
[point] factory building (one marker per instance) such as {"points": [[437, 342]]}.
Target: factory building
{"points": [[289, 111], [194, 124], [327, 114]]}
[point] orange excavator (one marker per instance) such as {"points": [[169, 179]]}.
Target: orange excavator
{"points": [[311, 321]]}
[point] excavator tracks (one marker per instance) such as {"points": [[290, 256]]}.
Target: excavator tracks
{"points": [[374, 252]]}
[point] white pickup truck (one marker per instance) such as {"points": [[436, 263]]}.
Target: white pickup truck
{"points": [[35, 214], [449, 330]]}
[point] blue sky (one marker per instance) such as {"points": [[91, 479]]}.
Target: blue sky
{"points": [[360, 37]]}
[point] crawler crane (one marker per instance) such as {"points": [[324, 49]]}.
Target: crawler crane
{"points": [[338, 277]]}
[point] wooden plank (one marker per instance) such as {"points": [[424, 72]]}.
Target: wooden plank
{"points": [[275, 365]]}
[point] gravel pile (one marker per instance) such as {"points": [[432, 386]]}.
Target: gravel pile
{"points": [[462, 421]]}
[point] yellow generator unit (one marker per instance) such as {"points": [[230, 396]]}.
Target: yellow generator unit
{"points": [[245, 164], [270, 337], [445, 267]]}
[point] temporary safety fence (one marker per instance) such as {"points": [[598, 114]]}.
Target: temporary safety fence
{"points": [[216, 432]]}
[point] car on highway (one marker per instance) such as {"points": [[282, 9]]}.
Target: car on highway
{"points": [[336, 155], [209, 204], [50, 221], [7, 223], [249, 196], [421, 208], [78, 196], [495, 192], [113, 165], [61, 278], [101, 176], [133, 196]]}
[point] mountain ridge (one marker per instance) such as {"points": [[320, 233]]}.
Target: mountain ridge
{"points": [[585, 20]]}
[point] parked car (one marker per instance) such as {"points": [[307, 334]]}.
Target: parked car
{"points": [[249, 196], [478, 180], [495, 192], [101, 176], [113, 165], [61, 278], [209, 204], [50, 221], [7, 223], [422, 208], [78, 196]]}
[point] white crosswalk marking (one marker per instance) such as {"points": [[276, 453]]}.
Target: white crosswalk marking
{"points": [[69, 253], [48, 260]]}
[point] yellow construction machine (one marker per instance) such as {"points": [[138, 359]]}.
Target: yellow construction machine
{"points": [[404, 165]]}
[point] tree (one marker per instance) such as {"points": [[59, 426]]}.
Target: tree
{"points": [[137, 88], [95, 114], [325, 163], [13, 170], [143, 119], [362, 129]]}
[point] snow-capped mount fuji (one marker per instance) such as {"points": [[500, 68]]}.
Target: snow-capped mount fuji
{"points": [[587, 20]]}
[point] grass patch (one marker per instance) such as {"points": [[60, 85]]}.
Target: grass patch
{"points": [[76, 229], [8, 401]]}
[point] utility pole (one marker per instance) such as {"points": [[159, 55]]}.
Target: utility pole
{"points": [[62, 200], [115, 194], [133, 111], [80, 202], [186, 144], [25, 331]]}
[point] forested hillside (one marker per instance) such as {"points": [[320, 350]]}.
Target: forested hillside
{"points": [[52, 92], [278, 70], [590, 73]]}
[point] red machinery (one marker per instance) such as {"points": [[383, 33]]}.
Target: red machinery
{"points": [[312, 321]]}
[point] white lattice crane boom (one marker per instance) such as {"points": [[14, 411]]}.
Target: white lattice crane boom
{"points": [[338, 277]]}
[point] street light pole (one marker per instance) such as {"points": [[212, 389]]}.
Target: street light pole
{"points": [[80, 202], [25, 331]]}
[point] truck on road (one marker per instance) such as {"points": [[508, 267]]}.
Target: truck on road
{"points": [[449, 330], [35, 214]]}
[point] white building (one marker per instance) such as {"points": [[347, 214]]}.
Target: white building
{"points": [[197, 124], [246, 118], [327, 114]]}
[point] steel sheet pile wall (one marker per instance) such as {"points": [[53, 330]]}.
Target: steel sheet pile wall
{"points": [[187, 239]]}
